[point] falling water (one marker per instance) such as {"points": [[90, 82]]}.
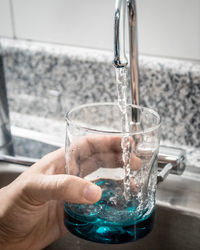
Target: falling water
{"points": [[121, 80]]}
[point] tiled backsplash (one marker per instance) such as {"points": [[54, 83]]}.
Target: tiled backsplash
{"points": [[47, 80]]}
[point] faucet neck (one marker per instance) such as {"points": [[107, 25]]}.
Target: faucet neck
{"points": [[120, 59]]}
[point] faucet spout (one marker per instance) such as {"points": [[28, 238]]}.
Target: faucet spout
{"points": [[120, 59]]}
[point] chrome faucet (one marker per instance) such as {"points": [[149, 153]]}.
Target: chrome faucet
{"points": [[170, 159], [6, 145], [120, 59]]}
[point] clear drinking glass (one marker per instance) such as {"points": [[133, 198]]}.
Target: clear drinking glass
{"points": [[127, 176]]}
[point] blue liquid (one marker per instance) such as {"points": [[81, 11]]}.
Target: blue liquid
{"points": [[111, 220]]}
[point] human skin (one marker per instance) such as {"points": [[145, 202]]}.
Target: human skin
{"points": [[31, 210]]}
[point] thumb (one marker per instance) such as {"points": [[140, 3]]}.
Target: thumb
{"points": [[69, 188]]}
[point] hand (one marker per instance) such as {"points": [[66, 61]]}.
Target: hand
{"points": [[89, 153], [31, 211]]}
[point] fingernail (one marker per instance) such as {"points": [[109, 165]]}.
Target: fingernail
{"points": [[92, 193]]}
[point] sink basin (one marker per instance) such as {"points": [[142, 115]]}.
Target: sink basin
{"points": [[177, 220], [173, 230]]}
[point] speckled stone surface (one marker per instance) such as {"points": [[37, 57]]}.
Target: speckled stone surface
{"points": [[47, 80]]}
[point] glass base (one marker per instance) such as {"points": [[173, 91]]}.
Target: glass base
{"points": [[108, 233]]}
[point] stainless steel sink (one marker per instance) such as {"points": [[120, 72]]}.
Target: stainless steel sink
{"points": [[177, 222], [173, 230]]}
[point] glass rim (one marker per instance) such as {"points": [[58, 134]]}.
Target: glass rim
{"points": [[101, 131]]}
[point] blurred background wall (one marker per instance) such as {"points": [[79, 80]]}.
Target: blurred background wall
{"points": [[167, 28]]}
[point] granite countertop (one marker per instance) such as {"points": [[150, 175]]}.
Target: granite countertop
{"points": [[46, 80]]}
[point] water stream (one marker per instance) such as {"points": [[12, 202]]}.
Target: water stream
{"points": [[122, 83]]}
